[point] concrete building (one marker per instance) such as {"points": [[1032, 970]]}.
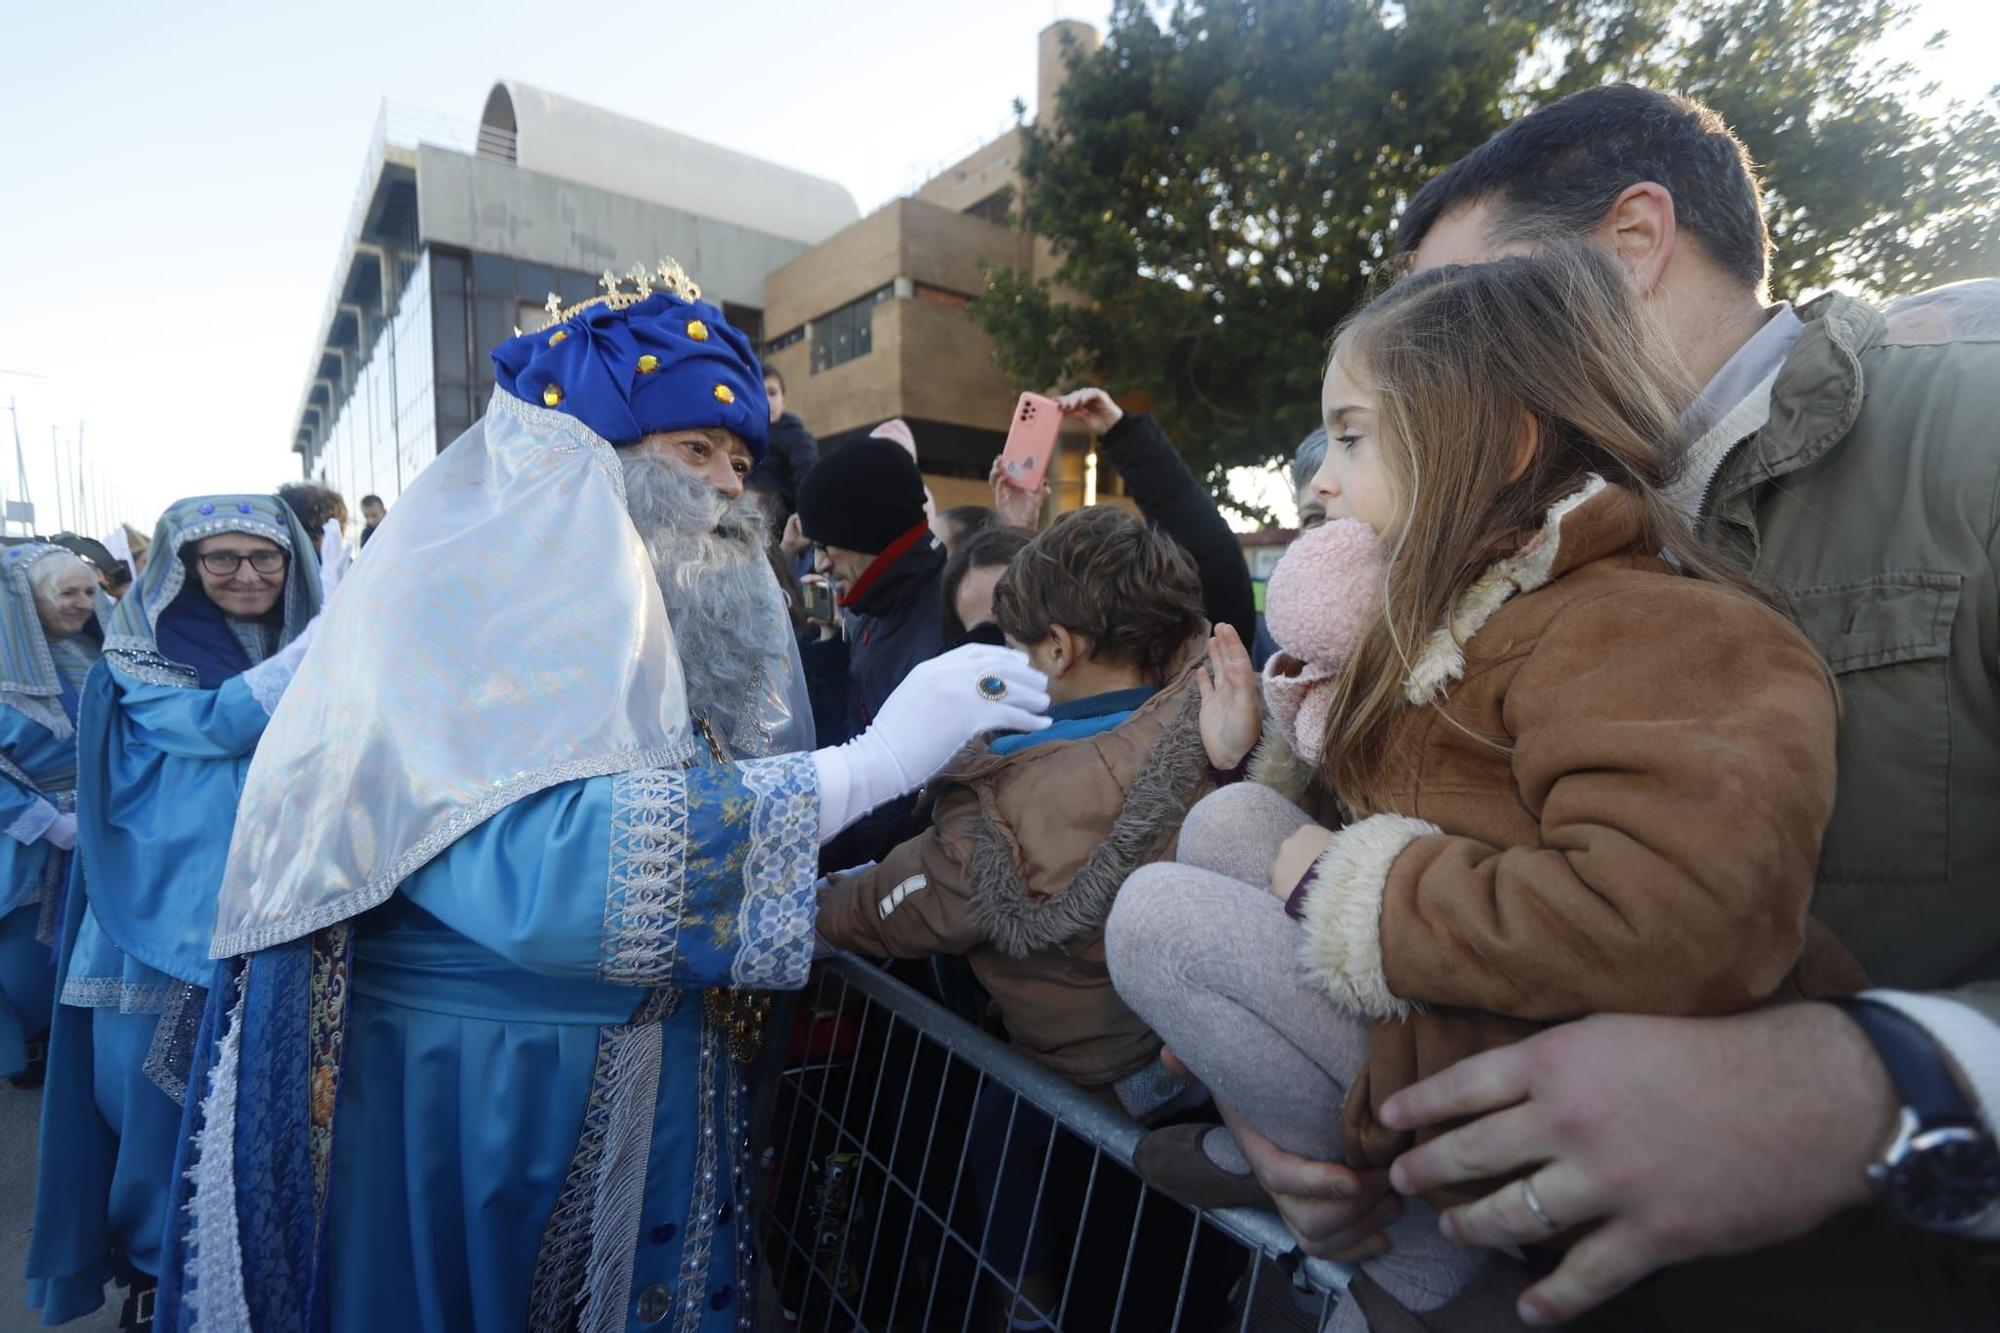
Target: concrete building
{"points": [[872, 323], [459, 236]]}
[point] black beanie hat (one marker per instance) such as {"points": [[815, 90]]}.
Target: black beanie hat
{"points": [[861, 496]]}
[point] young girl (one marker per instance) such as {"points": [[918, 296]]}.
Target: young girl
{"points": [[1583, 767]]}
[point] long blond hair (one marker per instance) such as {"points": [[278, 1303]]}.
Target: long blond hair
{"points": [[1466, 362]]}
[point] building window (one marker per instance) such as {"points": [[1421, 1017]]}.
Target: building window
{"points": [[993, 207], [784, 340], [747, 318], [843, 334]]}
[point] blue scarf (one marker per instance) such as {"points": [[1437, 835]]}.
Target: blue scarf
{"points": [[194, 633]]}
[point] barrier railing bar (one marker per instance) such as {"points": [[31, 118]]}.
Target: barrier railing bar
{"points": [[1075, 1109], [895, 1146], [868, 1136], [1187, 1271], [986, 1220], [840, 1127], [951, 1208], [1131, 1248], [1035, 1217], [923, 1171], [1076, 1246]]}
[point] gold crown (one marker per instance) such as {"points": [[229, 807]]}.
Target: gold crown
{"points": [[667, 277]]}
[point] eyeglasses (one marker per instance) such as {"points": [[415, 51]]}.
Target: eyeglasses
{"points": [[222, 564]]}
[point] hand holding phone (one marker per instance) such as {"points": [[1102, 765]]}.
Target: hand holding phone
{"points": [[817, 594], [1031, 440]]}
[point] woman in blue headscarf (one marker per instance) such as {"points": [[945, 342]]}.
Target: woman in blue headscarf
{"points": [[195, 660], [49, 636]]}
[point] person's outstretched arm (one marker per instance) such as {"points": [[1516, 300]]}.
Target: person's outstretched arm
{"points": [[1173, 498]]}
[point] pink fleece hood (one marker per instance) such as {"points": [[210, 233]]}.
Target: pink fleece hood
{"points": [[1320, 603]]}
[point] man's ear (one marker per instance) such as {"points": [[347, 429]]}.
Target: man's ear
{"points": [[1640, 230]]}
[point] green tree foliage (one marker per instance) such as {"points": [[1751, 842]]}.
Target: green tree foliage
{"points": [[1222, 178]]}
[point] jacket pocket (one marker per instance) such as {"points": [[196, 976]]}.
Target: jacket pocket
{"points": [[1888, 640]]}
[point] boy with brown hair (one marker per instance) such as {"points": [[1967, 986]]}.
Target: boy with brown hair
{"points": [[1032, 834]]}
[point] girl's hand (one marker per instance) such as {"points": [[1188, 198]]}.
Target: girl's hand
{"points": [[1296, 856], [1232, 711], [1093, 407], [1017, 508]]}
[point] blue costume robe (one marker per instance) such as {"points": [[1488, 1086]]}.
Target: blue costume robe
{"points": [[37, 765], [536, 1123], [39, 679], [163, 767], [163, 742]]}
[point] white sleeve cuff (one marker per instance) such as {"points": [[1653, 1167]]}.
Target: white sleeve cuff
{"points": [[1969, 1038], [33, 822], [1971, 1041], [1342, 949]]}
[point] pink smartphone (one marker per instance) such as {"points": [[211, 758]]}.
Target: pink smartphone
{"points": [[1031, 439]]}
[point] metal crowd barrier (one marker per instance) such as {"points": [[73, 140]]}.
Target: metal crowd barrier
{"points": [[922, 1175]]}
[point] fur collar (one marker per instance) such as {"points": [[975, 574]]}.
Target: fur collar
{"points": [[1017, 922], [1442, 661]]}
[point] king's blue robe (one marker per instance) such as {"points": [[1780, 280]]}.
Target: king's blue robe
{"points": [[533, 1122]]}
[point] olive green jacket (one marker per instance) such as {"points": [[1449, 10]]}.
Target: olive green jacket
{"points": [[1870, 505]]}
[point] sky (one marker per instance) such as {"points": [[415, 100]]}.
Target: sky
{"points": [[174, 180]]}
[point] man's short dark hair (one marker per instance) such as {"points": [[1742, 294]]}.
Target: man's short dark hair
{"points": [[1123, 585], [771, 374], [1557, 170], [367, 500]]}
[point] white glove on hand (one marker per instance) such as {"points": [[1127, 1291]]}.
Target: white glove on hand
{"points": [[62, 833], [940, 706], [268, 679], [335, 556]]}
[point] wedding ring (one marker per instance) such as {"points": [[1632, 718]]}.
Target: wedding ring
{"points": [[992, 689], [1529, 1198]]}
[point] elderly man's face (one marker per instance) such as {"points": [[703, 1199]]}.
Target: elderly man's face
{"points": [[716, 455]]}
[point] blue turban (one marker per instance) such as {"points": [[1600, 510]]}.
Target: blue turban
{"points": [[663, 363]]}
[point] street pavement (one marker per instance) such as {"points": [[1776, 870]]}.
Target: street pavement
{"points": [[20, 1115]]}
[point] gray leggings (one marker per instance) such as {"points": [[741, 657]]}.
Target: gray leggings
{"points": [[1201, 949]]}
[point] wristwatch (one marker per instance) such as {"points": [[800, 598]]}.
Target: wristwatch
{"points": [[1941, 1169]]}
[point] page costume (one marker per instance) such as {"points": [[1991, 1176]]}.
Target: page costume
{"points": [[167, 724], [40, 683]]}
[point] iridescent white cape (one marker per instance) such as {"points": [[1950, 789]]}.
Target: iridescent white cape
{"points": [[503, 633]]}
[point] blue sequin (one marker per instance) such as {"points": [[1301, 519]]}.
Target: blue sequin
{"points": [[208, 509], [242, 506]]}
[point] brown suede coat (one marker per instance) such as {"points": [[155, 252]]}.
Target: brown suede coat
{"points": [[1617, 806], [1024, 857]]}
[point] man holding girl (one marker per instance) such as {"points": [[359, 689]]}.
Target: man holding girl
{"points": [[1848, 466]]}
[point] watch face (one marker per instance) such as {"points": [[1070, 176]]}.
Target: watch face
{"points": [[1948, 1179]]}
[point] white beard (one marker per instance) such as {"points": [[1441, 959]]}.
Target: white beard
{"points": [[722, 595]]}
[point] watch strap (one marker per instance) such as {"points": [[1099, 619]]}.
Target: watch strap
{"points": [[1917, 1065]]}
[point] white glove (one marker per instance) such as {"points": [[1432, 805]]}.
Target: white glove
{"points": [[938, 708], [268, 679], [62, 833], [335, 556]]}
